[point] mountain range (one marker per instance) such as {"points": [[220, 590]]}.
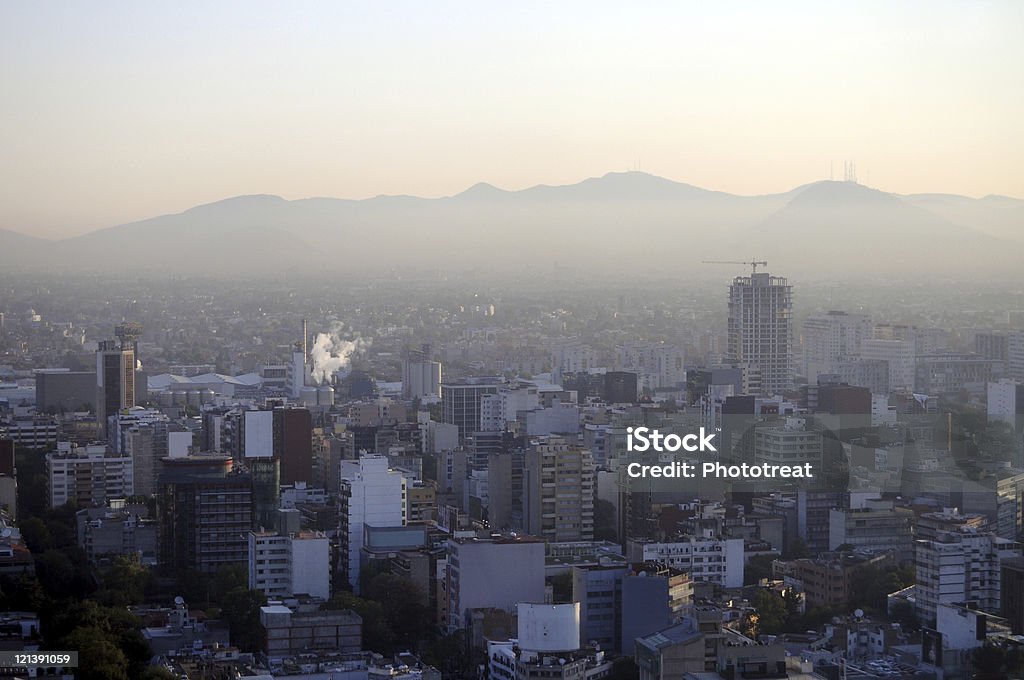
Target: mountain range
{"points": [[629, 223]]}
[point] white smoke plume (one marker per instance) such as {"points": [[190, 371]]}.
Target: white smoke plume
{"points": [[332, 351]]}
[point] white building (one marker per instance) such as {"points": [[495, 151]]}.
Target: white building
{"points": [[1006, 402], [494, 572], [258, 434], [284, 566], [660, 365], [900, 355], [547, 647], [371, 494], [87, 475], [1015, 356], [831, 338], [421, 379], [714, 560], [505, 405], [789, 444], [760, 331], [959, 567], [572, 356], [143, 435], [301, 492]]}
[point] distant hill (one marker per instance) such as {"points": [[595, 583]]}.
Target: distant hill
{"points": [[996, 215], [851, 228], [18, 249], [628, 223]]}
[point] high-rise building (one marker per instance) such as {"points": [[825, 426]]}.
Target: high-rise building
{"points": [[1011, 592], [760, 332], [788, 444], [204, 509], [7, 459], [662, 365], [831, 338], [598, 589], [59, 390], [572, 356], [371, 494], [961, 566], [87, 475], [141, 434], [709, 559], [505, 501], [461, 401], [993, 345], [265, 474], [558, 491], [1006, 403], [899, 355], [620, 387], [653, 596], [421, 377], [950, 372], [115, 380], [1015, 356], [293, 444], [298, 368], [875, 525], [497, 572]]}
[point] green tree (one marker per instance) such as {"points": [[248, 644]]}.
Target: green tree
{"points": [[759, 567], [447, 653], [57, 574], [21, 593], [241, 610], [35, 534], [870, 586], [791, 599], [228, 578], [988, 661], [99, 657], [125, 582], [377, 635], [135, 648], [405, 609], [771, 613]]}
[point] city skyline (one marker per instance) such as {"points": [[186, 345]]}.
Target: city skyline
{"points": [[122, 112]]}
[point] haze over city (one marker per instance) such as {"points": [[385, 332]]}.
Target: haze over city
{"points": [[121, 111]]}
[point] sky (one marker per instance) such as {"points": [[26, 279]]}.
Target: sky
{"points": [[117, 111]]}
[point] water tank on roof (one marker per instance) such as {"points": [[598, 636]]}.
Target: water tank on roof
{"points": [[308, 396], [325, 396]]}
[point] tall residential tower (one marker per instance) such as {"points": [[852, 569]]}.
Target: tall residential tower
{"points": [[760, 331]]}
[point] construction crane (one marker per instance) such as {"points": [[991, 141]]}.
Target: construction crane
{"points": [[753, 263]]}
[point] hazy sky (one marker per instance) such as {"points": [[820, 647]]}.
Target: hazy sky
{"points": [[115, 111]]}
